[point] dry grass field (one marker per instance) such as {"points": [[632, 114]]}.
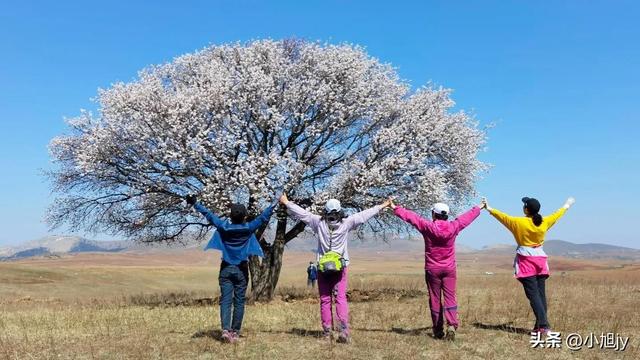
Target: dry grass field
{"points": [[120, 306]]}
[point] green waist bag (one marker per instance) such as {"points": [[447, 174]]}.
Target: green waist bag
{"points": [[330, 262]]}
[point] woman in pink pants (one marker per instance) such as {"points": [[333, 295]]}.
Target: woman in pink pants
{"points": [[332, 229], [440, 261]]}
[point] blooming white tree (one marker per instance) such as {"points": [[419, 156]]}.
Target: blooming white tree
{"points": [[250, 121]]}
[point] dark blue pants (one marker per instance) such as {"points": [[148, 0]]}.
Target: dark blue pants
{"points": [[233, 287], [534, 288]]}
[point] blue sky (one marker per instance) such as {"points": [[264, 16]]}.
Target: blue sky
{"points": [[560, 79]]}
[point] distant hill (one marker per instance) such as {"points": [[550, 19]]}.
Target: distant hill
{"points": [[572, 250], [499, 248], [590, 251], [60, 244]]}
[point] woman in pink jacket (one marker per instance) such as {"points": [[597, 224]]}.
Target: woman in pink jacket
{"points": [[440, 261]]}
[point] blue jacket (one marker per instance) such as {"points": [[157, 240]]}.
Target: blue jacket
{"points": [[312, 273], [236, 241]]}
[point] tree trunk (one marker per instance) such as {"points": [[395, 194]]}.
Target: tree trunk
{"points": [[265, 272]]}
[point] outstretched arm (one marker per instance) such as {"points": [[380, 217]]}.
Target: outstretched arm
{"points": [[507, 220], [299, 213], [420, 223], [467, 218], [261, 219], [550, 220], [213, 219], [362, 217]]}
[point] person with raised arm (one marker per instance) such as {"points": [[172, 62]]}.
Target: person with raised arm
{"points": [[332, 231], [439, 236], [237, 241], [530, 264]]}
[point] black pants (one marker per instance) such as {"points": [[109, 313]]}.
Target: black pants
{"points": [[535, 291]]}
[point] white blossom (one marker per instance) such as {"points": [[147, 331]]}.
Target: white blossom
{"points": [[314, 120]]}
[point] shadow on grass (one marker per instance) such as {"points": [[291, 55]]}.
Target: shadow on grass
{"points": [[414, 332], [402, 331], [213, 334], [502, 327], [305, 332], [319, 333]]}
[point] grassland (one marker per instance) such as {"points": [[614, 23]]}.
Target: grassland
{"points": [[117, 306]]}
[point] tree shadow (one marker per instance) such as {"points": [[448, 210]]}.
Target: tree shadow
{"points": [[502, 327]]}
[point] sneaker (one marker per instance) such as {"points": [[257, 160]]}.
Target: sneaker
{"points": [[451, 333], [542, 331], [226, 337], [438, 334], [343, 338], [326, 334], [235, 337]]}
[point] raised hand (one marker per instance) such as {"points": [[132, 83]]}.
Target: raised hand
{"points": [[484, 204], [284, 200], [392, 204], [570, 201], [386, 203], [191, 199]]}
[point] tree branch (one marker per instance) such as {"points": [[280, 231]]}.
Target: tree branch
{"points": [[294, 231]]}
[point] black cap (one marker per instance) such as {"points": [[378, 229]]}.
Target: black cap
{"points": [[531, 204], [238, 213]]}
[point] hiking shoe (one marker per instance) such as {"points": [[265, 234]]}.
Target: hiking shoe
{"points": [[235, 337], [542, 331], [451, 333], [344, 338], [227, 336]]}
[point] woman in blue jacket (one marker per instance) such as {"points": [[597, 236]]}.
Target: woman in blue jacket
{"points": [[237, 241]]}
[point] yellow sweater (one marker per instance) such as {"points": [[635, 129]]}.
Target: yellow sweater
{"points": [[523, 229]]}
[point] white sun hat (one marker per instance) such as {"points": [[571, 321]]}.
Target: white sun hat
{"points": [[332, 205], [440, 208]]}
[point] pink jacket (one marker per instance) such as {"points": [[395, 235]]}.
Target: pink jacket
{"points": [[439, 236]]}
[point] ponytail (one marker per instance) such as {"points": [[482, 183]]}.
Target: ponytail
{"points": [[537, 219]]}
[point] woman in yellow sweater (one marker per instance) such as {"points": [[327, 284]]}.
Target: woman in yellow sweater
{"points": [[530, 264]]}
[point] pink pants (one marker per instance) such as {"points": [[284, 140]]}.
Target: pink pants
{"points": [[336, 284], [442, 283]]}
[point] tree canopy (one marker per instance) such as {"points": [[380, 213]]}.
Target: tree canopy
{"points": [[248, 121]]}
